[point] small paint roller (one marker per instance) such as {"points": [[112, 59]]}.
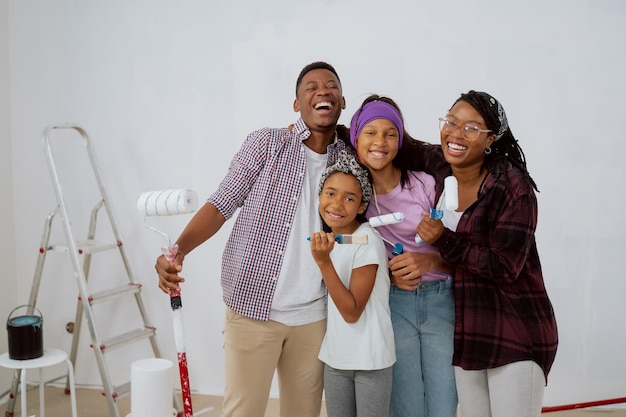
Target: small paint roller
{"points": [[433, 214], [450, 199], [384, 220], [168, 203]]}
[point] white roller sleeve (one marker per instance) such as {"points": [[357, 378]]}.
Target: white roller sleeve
{"points": [[167, 202], [386, 219], [451, 189]]}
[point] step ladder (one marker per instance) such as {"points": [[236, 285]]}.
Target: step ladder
{"points": [[86, 300]]}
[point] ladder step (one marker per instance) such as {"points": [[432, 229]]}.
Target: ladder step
{"points": [[106, 295], [121, 390], [128, 337], [86, 246]]}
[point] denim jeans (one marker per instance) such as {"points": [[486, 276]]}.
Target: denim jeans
{"points": [[423, 375]]}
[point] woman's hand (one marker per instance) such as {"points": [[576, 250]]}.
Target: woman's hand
{"points": [[429, 230]]}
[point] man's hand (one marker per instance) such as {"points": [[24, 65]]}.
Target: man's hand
{"points": [[168, 273]]}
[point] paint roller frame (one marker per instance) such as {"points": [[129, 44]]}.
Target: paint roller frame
{"points": [[148, 204]]}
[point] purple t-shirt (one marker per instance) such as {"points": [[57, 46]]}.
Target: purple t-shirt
{"points": [[417, 197]]}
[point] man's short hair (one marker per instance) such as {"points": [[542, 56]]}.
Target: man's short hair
{"points": [[313, 66]]}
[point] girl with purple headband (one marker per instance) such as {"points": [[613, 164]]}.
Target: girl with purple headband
{"points": [[421, 296]]}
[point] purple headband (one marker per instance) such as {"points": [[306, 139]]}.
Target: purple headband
{"points": [[372, 111]]}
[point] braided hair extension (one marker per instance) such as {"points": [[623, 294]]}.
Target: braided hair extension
{"points": [[505, 147], [409, 148]]}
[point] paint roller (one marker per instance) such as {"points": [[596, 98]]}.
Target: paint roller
{"points": [[168, 203], [450, 201], [384, 220]]}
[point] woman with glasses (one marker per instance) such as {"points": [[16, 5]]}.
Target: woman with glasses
{"points": [[505, 336], [421, 298]]}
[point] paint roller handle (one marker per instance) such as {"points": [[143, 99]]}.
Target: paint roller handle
{"points": [[170, 253], [430, 227]]}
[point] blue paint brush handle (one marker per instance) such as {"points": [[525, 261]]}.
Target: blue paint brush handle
{"points": [[338, 238]]}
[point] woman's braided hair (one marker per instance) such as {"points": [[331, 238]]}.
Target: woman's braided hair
{"points": [[505, 147]]}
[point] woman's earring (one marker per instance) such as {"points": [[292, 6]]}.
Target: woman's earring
{"points": [[487, 151]]}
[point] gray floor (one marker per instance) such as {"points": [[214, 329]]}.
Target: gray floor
{"points": [[91, 403]]}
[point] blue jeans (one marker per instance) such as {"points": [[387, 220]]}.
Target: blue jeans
{"points": [[423, 375]]}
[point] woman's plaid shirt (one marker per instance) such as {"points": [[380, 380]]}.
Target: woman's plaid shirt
{"points": [[503, 313]]}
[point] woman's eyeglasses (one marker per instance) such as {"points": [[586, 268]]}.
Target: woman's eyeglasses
{"points": [[468, 131]]}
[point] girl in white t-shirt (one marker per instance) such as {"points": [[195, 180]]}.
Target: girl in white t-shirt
{"points": [[358, 349]]}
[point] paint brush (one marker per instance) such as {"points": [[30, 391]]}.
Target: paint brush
{"points": [[349, 239]]}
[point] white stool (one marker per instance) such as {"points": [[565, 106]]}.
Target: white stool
{"points": [[50, 357]]}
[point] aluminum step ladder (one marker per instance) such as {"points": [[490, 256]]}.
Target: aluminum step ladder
{"points": [[86, 300]]}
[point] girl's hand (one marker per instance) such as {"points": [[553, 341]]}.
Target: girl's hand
{"points": [[321, 245], [407, 269]]}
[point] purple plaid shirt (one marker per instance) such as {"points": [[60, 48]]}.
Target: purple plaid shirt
{"points": [[264, 180], [503, 313]]}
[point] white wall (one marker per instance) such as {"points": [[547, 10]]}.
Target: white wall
{"points": [[169, 90], [7, 243]]}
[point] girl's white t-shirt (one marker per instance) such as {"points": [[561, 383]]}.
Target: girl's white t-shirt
{"points": [[368, 343]]}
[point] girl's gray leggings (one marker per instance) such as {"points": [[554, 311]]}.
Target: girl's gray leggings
{"points": [[357, 393]]}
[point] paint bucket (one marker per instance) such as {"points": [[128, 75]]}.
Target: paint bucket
{"points": [[25, 333], [151, 388]]}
